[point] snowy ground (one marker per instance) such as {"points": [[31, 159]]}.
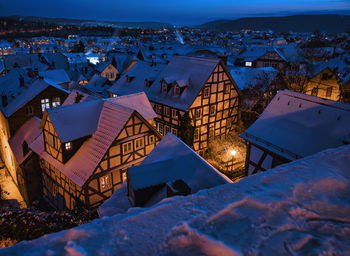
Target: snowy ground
{"points": [[302, 208], [8, 187]]}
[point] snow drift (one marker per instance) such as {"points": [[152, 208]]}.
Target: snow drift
{"points": [[301, 208]]}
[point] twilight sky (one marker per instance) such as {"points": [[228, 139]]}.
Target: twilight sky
{"points": [[177, 12]]}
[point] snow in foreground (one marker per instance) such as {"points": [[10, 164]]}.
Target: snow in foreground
{"points": [[302, 208]]}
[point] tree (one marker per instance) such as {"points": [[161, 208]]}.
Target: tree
{"points": [[186, 129]]}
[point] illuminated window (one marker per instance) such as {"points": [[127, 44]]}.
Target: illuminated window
{"points": [[174, 113], [161, 129], [159, 109], [167, 129], [174, 131], [127, 147], [56, 102], [45, 104], [196, 134], [206, 92], [138, 143], [151, 139], [248, 64], [105, 182], [329, 92], [68, 145], [167, 111], [212, 110], [198, 113]]}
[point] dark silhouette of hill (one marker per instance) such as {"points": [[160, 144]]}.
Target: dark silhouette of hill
{"points": [[330, 23]]}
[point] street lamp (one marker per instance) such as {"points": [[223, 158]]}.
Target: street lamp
{"points": [[233, 152]]}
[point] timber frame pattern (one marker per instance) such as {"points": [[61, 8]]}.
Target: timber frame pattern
{"points": [[135, 141], [213, 113]]}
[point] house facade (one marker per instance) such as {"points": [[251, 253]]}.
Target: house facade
{"points": [[189, 95], [84, 167], [295, 125]]}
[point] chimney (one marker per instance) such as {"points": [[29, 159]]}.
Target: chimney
{"points": [[223, 58], [21, 81], [4, 99]]}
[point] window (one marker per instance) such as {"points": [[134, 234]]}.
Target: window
{"points": [[198, 113], [161, 128], [167, 111], [206, 92], [105, 182], [314, 91], [196, 134], [127, 147], [45, 103], [111, 75], [29, 110], [56, 102], [159, 109], [114, 95], [151, 139], [324, 76], [68, 145], [167, 129], [329, 92], [174, 113], [212, 110], [174, 131], [164, 86], [138, 143], [227, 88], [248, 64], [177, 90]]}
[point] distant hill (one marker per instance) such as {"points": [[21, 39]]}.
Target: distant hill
{"points": [[145, 24], [297, 23]]}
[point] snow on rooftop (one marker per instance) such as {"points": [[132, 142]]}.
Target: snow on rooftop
{"points": [[138, 102], [296, 125], [172, 160], [75, 121], [300, 208], [28, 132]]}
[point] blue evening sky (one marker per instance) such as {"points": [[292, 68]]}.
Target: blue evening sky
{"points": [[178, 12]]}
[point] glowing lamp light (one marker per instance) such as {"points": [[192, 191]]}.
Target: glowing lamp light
{"points": [[233, 152]]}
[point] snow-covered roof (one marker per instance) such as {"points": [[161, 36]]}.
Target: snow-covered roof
{"points": [[138, 102], [197, 70], [111, 120], [97, 84], [28, 94], [172, 160], [245, 77], [81, 95], [55, 76], [296, 125], [300, 208], [75, 121], [28, 132]]}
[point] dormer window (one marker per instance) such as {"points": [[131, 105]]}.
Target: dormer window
{"points": [[129, 78], [68, 145], [164, 86], [248, 64], [148, 83], [45, 104], [177, 90], [56, 102]]}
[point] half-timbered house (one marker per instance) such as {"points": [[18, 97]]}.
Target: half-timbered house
{"points": [[198, 88], [85, 149], [295, 125]]}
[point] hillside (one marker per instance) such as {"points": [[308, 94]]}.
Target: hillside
{"points": [[66, 21], [301, 208], [296, 23]]}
